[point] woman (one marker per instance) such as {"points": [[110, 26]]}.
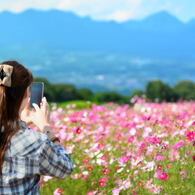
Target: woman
{"points": [[26, 154]]}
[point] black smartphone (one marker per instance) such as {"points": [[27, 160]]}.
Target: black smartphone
{"points": [[36, 93]]}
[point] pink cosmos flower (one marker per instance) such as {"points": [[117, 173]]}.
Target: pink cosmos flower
{"points": [[62, 134], [102, 181], [161, 175], [182, 172], [104, 157], [85, 177], [100, 146], [159, 167], [90, 168], [154, 140], [106, 171], [91, 192], [58, 191], [159, 157], [86, 160], [130, 139], [116, 191], [190, 135], [169, 166], [123, 159], [77, 130], [119, 137], [142, 146], [188, 152], [178, 145], [155, 190]]}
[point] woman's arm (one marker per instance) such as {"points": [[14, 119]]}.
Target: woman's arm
{"points": [[54, 160]]}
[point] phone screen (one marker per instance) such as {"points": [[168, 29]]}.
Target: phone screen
{"points": [[36, 93]]}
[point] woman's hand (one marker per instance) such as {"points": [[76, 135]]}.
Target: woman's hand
{"points": [[39, 116]]}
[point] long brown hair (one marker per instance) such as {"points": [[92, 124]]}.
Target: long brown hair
{"points": [[10, 102]]}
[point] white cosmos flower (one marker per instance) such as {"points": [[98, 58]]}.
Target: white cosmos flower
{"points": [[85, 172]]}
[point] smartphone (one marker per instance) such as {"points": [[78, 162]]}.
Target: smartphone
{"points": [[36, 93]]}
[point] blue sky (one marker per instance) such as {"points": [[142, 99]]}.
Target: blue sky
{"points": [[119, 10]]}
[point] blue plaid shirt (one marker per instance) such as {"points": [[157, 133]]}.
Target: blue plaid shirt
{"points": [[29, 155]]}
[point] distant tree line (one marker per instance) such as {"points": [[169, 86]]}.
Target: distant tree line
{"points": [[62, 92], [155, 91]]}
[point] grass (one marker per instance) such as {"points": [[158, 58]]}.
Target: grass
{"points": [[75, 104]]}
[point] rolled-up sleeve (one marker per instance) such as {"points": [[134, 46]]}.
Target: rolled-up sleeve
{"points": [[54, 160]]}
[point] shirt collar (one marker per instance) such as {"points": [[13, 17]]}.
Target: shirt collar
{"points": [[22, 124]]}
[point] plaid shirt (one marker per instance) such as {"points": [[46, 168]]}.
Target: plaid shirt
{"points": [[29, 155]]}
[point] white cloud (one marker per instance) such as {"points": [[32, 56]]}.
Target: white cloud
{"points": [[121, 15], [118, 10], [98, 9], [110, 9]]}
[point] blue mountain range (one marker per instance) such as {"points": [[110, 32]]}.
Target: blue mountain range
{"points": [[78, 46]]}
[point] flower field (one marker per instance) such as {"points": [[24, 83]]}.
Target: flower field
{"points": [[147, 148]]}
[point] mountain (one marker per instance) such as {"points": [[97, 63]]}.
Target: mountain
{"points": [[54, 27], [159, 35], [83, 51], [158, 22]]}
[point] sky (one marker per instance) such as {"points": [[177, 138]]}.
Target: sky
{"points": [[118, 10]]}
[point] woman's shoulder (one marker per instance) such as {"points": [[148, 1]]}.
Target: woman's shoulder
{"points": [[29, 133]]}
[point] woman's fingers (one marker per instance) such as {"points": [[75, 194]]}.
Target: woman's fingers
{"points": [[46, 108], [44, 105], [36, 107]]}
